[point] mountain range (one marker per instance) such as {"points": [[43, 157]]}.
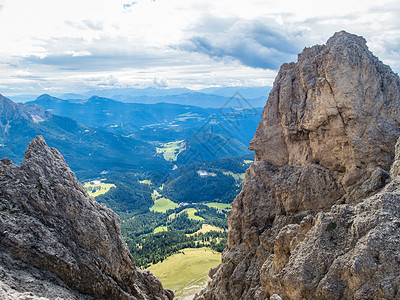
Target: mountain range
{"points": [[85, 148], [101, 134], [207, 97]]}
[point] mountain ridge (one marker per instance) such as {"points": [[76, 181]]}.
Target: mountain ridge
{"points": [[20, 123]]}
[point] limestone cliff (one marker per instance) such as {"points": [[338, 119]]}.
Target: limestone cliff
{"points": [[56, 242], [319, 213]]}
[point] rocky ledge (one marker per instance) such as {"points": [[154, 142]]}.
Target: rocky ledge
{"points": [[319, 213], [56, 242]]}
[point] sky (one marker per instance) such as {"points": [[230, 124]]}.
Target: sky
{"points": [[57, 46]]}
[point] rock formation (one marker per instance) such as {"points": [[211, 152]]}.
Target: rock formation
{"points": [[319, 213], [56, 242]]}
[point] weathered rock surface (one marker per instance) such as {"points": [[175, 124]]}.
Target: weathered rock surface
{"points": [[319, 213], [56, 242]]}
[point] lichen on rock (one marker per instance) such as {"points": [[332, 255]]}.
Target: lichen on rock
{"points": [[318, 214]]}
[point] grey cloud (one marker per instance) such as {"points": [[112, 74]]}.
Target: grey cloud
{"points": [[106, 62], [254, 43], [210, 23], [85, 24], [99, 62], [93, 25], [248, 52], [9, 64], [75, 25], [102, 81], [393, 46], [107, 54], [30, 77]]}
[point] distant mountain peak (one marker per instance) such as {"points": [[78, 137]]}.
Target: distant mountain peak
{"points": [[96, 98], [46, 96], [11, 112]]}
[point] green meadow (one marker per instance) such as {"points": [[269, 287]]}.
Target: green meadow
{"points": [[187, 271], [97, 187], [162, 205], [146, 181], [207, 228], [190, 212], [171, 150], [219, 205], [160, 229]]}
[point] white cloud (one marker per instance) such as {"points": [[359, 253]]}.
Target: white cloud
{"points": [[177, 43], [81, 53], [160, 82]]}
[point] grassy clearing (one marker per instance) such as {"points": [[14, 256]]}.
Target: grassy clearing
{"points": [[190, 212], [191, 215], [206, 228], [162, 205], [219, 205], [187, 273], [146, 181], [97, 187], [160, 229], [171, 150], [155, 195]]}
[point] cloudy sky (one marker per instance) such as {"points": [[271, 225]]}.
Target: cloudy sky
{"points": [[52, 46]]}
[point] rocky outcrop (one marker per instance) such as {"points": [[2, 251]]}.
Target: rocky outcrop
{"points": [[319, 213], [56, 242]]}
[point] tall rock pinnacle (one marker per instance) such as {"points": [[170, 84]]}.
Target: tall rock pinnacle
{"points": [[318, 213], [56, 241]]}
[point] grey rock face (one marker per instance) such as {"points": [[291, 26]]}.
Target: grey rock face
{"points": [[56, 241], [318, 214]]}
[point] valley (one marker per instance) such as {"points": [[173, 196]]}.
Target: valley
{"points": [[169, 171], [213, 150], [168, 225]]}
